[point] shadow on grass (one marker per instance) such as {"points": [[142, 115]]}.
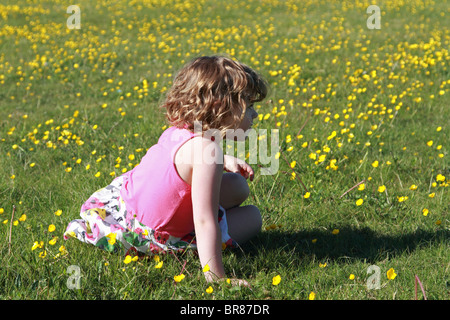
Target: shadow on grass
{"points": [[362, 244]]}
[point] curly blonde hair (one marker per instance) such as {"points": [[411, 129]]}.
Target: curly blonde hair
{"points": [[214, 90]]}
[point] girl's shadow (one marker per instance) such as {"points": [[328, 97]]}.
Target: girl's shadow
{"points": [[363, 244]]}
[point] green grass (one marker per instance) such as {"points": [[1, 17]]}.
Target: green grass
{"points": [[407, 100]]}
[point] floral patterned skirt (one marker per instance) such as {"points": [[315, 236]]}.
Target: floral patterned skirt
{"points": [[105, 223]]}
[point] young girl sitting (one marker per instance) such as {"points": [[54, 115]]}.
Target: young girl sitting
{"points": [[179, 196]]}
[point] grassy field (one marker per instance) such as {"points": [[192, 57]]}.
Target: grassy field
{"points": [[353, 105]]}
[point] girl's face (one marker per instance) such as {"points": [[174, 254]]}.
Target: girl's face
{"points": [[247, 121]]}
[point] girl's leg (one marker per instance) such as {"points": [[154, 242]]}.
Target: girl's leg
{"points": [[233, 191], [243, 222]]}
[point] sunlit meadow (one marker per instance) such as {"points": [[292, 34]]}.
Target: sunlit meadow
{"points": [[362, 116]]}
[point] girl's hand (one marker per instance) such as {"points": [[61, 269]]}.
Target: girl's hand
{"points": [[237, 282], [232, 164]]}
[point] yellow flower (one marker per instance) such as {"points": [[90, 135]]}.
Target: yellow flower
{"points": [[402, 198], [361, 187], [352, 276], [53, 241], [127, 259], [159, 265], [209, 290], [391, 274], [431, 195], [37, 245], [58, 212], [178, 278], [307, 195], [312, 296], [413, 187], [276, 280], [62, 249], [440, 178], [23, 217], [97, 174], [322, 265], [51, 228], [206, 268], [381, 188], [43, 254], [359, 202], [430, 143], [425, 212], [335, 231], [375, 164]]}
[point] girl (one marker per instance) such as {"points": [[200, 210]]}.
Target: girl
{"points": [[159, 204]]}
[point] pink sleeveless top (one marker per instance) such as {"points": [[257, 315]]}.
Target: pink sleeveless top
{"points": [[155, 193]]}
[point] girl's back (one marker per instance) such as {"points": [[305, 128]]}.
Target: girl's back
{"points": [[155, 192]]}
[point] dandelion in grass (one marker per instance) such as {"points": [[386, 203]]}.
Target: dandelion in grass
{"points": [[351, 276], [206, 268], [307, 195], [209, 290], [51, 228], [381, 188], [440, 178], [335, 232], [312, 296], [359, 202], [413, 187], [425, 212], [431, 195]]}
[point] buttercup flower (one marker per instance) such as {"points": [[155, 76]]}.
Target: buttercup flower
{"points": [[127, 259], [276, 280], [178, 278], [391, 274]]}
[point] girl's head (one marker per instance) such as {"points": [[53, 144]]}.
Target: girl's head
{"points": [[215, 91]]}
